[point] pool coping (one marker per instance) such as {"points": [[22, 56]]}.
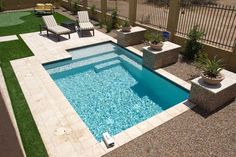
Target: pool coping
{"points": [[32, 64]]}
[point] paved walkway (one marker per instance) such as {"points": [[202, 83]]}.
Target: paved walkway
{"points": [[8, 38]]}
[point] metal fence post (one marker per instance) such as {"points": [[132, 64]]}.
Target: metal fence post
{"points": [[173, 17], [132, 11], [104, 9]]}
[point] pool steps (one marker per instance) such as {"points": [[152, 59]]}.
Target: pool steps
{"points": [[82, 63], [100, 67]]}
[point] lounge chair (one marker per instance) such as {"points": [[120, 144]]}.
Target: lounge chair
{"points": [[83, 22], [53, 27]]}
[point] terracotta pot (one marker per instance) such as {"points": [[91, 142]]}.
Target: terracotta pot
{"points": [[156, 46], [212, 80], [126, 29]]}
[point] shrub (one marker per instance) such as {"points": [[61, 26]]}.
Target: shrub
{"points": [[114, 20], [92, 9], [75, 7], [100, 23], [193, 46], [109, 26]]}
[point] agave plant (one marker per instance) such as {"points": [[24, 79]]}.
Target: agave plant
{"points": [[209, 67], [155, 38], [126, 23]]}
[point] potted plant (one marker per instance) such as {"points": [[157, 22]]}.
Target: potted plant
{"points": [[210, 69], [126, 27], [155, 41]]}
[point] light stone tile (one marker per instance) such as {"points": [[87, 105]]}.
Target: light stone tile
{"points": [[122, 138], [182, 107], [164, 116], [88, 143], [133, 132], [140, 53], [155, 121], [145, 126], [67, 148], [8, 38], [187, 86], [173, 78], [173, 111], [104, 147]]}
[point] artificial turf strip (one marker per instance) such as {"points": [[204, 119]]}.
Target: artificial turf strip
{"points": [[31, 24], [30, 136], [32, 141]]}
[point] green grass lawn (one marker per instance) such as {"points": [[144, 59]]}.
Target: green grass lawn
{"points": [[31, 24], [11, 50]]}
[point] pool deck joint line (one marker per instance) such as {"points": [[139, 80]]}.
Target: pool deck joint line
{"points": [[62, 130]]}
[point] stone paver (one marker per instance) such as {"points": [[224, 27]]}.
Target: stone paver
{"points": [[8, 38]]}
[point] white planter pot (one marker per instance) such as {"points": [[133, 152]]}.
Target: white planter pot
{"points": [[126, 29], [157, 47], [212, 80]]}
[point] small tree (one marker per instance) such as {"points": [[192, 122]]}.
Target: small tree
{"points": [[193, 44]]}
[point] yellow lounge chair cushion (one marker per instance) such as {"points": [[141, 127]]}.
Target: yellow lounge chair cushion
{"points": [[48, 6]]}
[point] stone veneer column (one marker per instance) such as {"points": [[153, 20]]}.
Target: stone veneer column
{"points": [[210, 97], [232, 60], [132, 11], [173, 17], [104, 9]]}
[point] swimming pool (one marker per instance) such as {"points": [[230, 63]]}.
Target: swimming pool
{"points": [[110, 89]]}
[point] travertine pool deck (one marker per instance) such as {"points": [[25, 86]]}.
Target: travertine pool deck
{"points": [[62, 130], [8, 38]]}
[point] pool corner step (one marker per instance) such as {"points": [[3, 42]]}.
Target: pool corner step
{"points": [[100, 67]]}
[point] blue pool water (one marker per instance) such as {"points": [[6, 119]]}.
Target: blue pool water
{"points": [[110, 90]]}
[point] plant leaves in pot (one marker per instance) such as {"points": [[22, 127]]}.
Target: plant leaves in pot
{"points": [[211, 69], [155, 41], [126, 27]]}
